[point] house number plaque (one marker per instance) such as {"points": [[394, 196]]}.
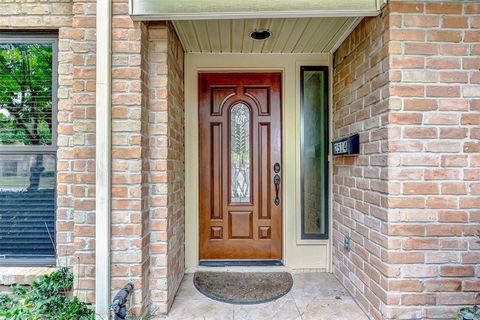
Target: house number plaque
{"points": [[347, 146]]}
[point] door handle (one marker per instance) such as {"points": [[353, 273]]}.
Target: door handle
{"points": [[276, 182]]}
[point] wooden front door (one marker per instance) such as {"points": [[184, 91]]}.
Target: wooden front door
{"points": [[240, 158]]}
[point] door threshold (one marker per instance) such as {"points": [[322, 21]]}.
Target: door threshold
{"points": [[240, 263]]}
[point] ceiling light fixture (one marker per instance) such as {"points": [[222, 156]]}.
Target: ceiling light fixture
{"points": [[260, 34]]}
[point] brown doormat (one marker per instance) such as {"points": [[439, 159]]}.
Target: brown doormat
{"points": [[243, 287]]}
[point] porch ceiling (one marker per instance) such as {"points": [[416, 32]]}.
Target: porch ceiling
{"points": [[289, 35]]}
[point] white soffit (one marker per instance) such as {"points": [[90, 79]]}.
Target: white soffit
{"points": [[289, 35], [237, 9]]}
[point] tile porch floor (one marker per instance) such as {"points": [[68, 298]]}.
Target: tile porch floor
{"points": [[314, 296]]}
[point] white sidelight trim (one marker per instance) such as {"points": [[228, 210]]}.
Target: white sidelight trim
{"points": [[103, 158]]}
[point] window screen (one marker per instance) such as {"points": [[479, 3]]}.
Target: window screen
{"points": [[314, 152], [27, 149]]}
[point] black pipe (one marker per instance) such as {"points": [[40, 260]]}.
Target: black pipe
{"points": [[119, 304]]}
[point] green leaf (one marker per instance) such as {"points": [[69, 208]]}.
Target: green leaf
{"points": [[45, 299], [26, 93]]}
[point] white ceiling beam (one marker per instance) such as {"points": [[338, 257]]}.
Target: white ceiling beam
{"points": [[248, 9]]}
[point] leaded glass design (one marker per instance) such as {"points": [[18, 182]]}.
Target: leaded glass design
{"points": [[240, 153]]}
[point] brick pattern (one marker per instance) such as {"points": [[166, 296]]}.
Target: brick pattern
{"points": [[434, 162], [22, 275], [65, 154], [36, 14], [147, 147], [57, 16], [166, 163], [81, 41], [130, 230], [360, 189], [410, 200], [407, 80], [158, 119], [175, 164]]}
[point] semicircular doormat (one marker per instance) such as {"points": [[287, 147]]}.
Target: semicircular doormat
{"points": [[243, 287]]}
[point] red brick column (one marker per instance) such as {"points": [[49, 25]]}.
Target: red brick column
{"points": [[408, 81], [130, 229], [176, 163], [360, 186], [434, 72], [166, 164], [83, 47]]}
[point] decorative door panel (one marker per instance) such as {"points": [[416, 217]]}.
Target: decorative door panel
{"points": [[240, 147]]}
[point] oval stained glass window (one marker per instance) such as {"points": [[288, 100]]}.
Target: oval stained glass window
{"points": [[240, 153]]}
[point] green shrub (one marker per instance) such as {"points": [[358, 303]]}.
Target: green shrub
{"points": [[46, 299], [470, 313]]}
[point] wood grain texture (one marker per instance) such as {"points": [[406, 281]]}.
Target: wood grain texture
{"points": [[239, 230]]}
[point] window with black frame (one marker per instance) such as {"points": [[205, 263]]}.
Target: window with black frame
{"points": [[28, 148], [314, 152]]}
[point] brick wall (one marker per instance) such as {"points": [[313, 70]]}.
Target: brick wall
{"points": [[434, 158], [157, 109], [80, 39], [360, 189], [130, 229], [175, 164], [36, 14], [56, 16], [410, 200], [74, 20], [147, 147], [166, 164], [407, 80]]}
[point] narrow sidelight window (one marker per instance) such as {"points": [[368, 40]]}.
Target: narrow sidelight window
{"points": [[240, 153], [28, 148], [314, 152]]}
